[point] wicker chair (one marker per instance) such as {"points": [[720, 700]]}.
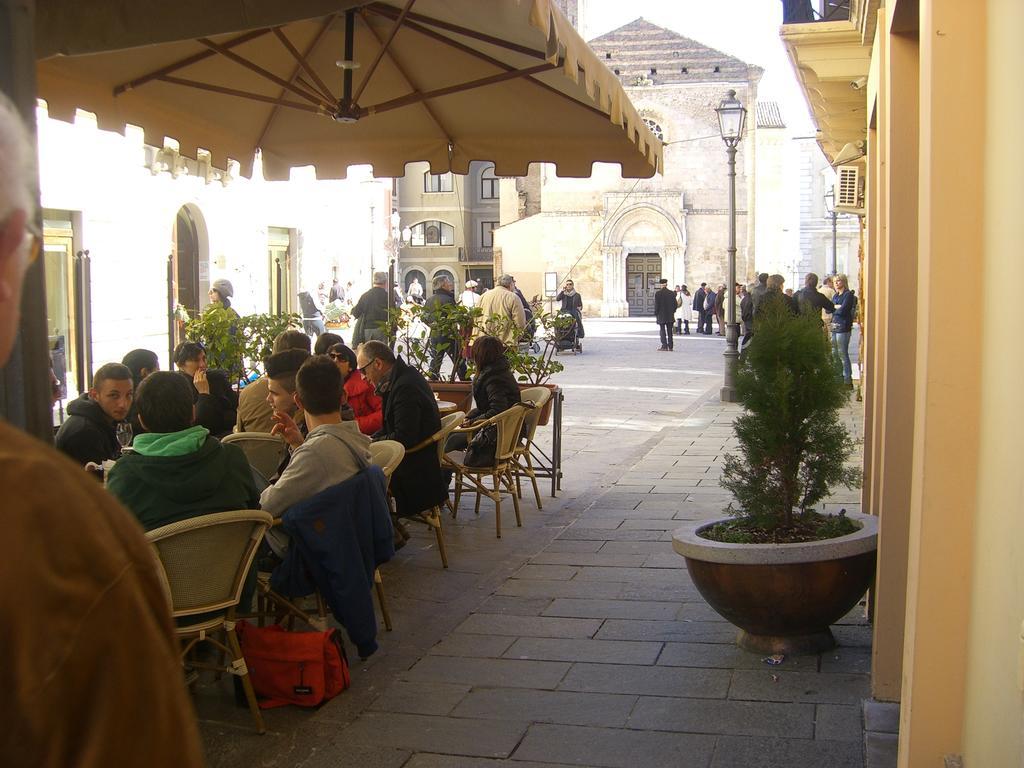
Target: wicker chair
{"points": [[204, 561], [509, 423], [387, 454], [432, 517], [263, 450], [522, 461]]}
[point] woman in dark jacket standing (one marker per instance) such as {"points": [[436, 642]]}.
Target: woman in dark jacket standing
{"points": [[845, 302]]}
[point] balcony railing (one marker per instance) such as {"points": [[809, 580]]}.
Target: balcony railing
{"points": [[809, 11]]}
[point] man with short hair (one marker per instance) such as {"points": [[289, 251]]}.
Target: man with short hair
{"points": [[254, 412], [88, 432], [698, 304], [440, 344], [371, 312], [76, 686], [503, 315], [759, 290], [665, 314], [410, 417], [287, 417], [175, 470], [809, 299], [332, 450]]}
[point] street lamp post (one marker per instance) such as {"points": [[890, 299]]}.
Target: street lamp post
{"points": [[830, 208], [731, 117]]}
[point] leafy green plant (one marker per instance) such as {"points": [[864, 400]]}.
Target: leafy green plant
{"points": [[793, 448], [412, 326], [236, 344]]}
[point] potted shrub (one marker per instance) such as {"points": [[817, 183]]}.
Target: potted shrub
{"points": [[238, 345], [779, 569]]}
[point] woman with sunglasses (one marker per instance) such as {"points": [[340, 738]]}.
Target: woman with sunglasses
{"points": [[361, 397]]}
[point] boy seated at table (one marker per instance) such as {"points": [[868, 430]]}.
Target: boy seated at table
{"points": [[176, 470], [332, 451]]}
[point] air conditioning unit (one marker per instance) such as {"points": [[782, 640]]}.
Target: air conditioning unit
{"points": [[849, 190]]}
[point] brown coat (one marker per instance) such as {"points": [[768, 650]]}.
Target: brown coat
{"points": [[90, 674], [254, 411]]}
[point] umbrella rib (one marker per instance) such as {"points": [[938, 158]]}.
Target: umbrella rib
{"points": [[309, 50], [414, 98], [241, 60], [411, 84], [324, 91], [388, 11], [242, 94], [187, 61], [496, 62], [383, 49]]}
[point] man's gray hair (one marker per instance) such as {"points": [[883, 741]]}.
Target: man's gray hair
{"points": [[17, 161], [380, 278], [505, 281], [440, 281]]}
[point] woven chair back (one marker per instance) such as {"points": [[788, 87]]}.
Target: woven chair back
{"points": [[205, 559], [263, 450], [387, 454]]}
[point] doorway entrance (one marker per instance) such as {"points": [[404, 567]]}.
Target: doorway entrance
{"points": [[184, 288], [282, 270], [643, 270]]}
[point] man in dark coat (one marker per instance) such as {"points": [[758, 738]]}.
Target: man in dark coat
{"points": [[88, 432], [809, 301], [371, 312], [698, 304], [665, 313], [440, 344], [410, 417]]}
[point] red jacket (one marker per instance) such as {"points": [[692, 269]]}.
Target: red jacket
{"points": [[366, 404]]}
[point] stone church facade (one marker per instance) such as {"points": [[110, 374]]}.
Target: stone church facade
{"points": [[616, 237]]}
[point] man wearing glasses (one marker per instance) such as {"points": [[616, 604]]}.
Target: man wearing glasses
{"points": [[99, 680], [410, 417]]}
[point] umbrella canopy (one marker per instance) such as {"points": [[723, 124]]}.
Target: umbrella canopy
{"points": [[382, 83]]}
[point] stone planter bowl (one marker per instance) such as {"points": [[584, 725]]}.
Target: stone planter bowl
{"points": [[783, 597]]}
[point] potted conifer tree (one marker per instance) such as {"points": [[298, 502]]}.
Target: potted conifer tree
{"points": [[777, 566]]}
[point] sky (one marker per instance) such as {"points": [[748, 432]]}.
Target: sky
{"points": [[746, 29]]}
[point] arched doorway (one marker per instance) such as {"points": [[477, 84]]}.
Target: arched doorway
{"points": [[643, 270], [643, 244], [415, 274], [187, 270]]}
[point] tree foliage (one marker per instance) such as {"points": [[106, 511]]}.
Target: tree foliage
{"points": [[792, 446], [238, 345]]}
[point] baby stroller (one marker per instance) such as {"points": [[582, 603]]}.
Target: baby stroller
{"points": [[567, 334]]}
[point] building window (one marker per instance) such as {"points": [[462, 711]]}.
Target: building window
{"points": [[488, 184], [487, 233], [437, 182], [432, 233], [655, 128]]}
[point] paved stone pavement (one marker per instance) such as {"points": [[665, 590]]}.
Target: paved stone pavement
{"points": [[579, 638]]}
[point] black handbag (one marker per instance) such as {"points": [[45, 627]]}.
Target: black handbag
{"points": [[482, 448]]}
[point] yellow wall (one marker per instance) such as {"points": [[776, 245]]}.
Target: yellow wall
{"points": [[992, 727], [948, 387]]}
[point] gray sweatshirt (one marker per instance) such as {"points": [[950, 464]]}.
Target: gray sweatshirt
{"points": [[326, 458]]}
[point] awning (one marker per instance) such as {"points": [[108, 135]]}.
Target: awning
{"points": [[445, 81]]}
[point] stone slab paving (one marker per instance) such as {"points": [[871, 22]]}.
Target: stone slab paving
{"points": [[579, 638]]}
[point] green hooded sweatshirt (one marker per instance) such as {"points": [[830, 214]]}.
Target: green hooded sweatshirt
{"points": [[174, 476]]}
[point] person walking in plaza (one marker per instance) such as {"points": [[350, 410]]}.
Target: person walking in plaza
{"points": [[88, 433], [572, 304], [371, 312], [441, 345], [759, 290], [92, 671], [845, 311], [665, 313], [720, 310], [698, 305], [220, 294], [502, 312], [683, 311], [469, 297]]}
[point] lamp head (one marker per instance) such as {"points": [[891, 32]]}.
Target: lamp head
{"points": [[731, 117]]}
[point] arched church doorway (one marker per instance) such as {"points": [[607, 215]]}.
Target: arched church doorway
{"points": [[643, 270], [188, 269]]}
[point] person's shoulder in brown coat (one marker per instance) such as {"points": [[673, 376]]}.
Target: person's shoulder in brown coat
{"points": [[91, 674]]}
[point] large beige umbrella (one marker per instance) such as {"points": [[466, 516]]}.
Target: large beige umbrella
{"points": [[332, 85]]}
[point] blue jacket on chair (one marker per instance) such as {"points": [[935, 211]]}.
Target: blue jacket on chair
{"points": [[338, 538]]}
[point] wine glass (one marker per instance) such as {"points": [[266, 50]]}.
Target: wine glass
{"points": [[124, 434]]}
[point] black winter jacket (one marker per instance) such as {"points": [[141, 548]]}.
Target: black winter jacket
{"points": [[88, 433], [810, 302], [439, 299], [494, 390], [665, 306], [411, 416], [217, 411]]}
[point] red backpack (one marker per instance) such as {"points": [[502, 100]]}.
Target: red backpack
{"points": [[302, 668]]}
